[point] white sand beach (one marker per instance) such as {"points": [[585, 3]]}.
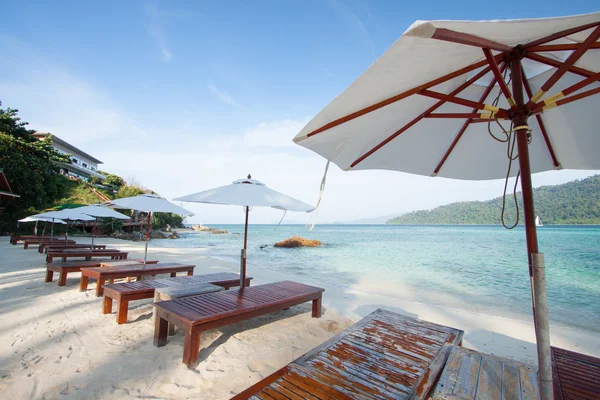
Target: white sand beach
{"points": [[56, 343]]}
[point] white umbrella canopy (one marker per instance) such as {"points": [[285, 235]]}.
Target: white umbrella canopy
{"points": [[99, 211], [41, 219], [148, 203], [466, 99], [68, 214], [248, 193]]}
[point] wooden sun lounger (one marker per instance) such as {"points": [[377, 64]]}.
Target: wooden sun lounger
{"points": [[575, 375], [102, 274], [471, 375], [64, 268], [45, 247], [208, 311], [385, 355], [14, 239], [87, 254], [29, 242], [123, 293]]}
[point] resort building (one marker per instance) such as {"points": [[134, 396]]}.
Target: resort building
{"points": [[83, 165]]}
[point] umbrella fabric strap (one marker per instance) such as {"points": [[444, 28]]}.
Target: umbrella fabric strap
{"points": [[521, 127], [321, 190]]}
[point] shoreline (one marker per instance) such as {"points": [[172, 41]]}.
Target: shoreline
{"points": [[59, 344]]}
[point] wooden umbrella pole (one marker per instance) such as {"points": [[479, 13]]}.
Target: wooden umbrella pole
{"points": [[35, 229], [243, 269], [94, 231], [537, 274], [147, 237]]}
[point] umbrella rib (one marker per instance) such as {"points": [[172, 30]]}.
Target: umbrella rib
{"points": [[556, 64], [560, 47], [541, 123], [499, 78], [449, 35], [468, 122], [437, 105], [567, 91], [559, 35], [476, 115], [396, 98], [564, 67], [568, 100], [461, 101]]}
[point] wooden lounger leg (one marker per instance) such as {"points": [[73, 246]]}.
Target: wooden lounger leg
{"points": [[83, 283], [191, 273], [99, 287], [107, 305], [49, 275], [160, 332], [191, 347], [62, 281], [316, 307], [122, 311], [173, 274]]}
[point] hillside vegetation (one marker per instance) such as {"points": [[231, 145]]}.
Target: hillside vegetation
{"points": [[576, 202]]}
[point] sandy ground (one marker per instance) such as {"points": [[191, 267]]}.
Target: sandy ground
{"points": [[56, 343]]}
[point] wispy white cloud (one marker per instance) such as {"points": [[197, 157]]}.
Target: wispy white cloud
{"points": [[156, 28], [223, 96], [345, 12]]}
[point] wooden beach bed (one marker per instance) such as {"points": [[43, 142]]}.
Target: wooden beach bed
{"points": [[102, 274], [471, 375], [575, 375], [114, 254], [123, 293], [29, 242], [385, 355], [208, 311], [45, 247], [14, 238], [64, 268]]}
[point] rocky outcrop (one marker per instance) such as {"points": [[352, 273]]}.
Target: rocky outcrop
{"points": [[297, 241], [218, 231], [202, 228], [157, 235], [173, 235]]}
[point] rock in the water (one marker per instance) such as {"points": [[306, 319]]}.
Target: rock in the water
{"points": [[157, 235], [218, 231], [297, 241], [173, 235]]}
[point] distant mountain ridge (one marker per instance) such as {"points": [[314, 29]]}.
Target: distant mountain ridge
{"points": [[576, 202]]}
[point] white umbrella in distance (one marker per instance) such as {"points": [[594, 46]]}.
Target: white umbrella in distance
{"points": [[38, 219], [247, 192], [68, 214], [448, 99], [148, 203], [99, 211]]}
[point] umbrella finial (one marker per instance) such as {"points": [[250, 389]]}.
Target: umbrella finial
{"points": [[249, 176]]}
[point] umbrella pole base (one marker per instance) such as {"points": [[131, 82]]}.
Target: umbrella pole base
{"points": [[542, 327]]}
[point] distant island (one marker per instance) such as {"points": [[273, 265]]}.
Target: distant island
{"points": [[576, 203]]}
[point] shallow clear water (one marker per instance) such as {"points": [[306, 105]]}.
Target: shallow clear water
{"points": [[481, 268]]}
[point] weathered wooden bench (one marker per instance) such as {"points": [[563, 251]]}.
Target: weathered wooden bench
{"points": [[471, 375], [64, 268], [200, 313], [123, 293], [102, 274], [29, 242], [113, 254], [575, 375], [45, 247], [385, 355], [14, 238]]}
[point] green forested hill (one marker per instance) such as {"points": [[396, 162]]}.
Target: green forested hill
{"points": [[576, 202]]}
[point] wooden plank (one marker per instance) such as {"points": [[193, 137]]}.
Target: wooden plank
{"points": [[468, 375], [489, 385], [529, 383], [511, 382]]}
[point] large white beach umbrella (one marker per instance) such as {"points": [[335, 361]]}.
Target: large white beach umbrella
{"points": [[68, 214], [99, 211], [448, 99], [247, 193], [147, 203], [39, 219]]}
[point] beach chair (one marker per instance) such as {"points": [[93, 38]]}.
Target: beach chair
{"points": [[575, 375], [385, 355], [123, 293], [67, 267], [85, 253], [208, 311]]}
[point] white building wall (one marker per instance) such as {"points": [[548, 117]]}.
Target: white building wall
{"points": [[81, 159]]}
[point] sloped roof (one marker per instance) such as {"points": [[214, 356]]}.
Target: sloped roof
{"points": [[67, 145]]}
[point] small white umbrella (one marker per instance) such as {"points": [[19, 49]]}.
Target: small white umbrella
{"points": [[38, 219], [148, 203], [99, 211], [247, 192], [68, 214]]}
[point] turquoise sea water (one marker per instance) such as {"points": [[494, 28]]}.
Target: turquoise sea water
{"points": [[481, 268]]}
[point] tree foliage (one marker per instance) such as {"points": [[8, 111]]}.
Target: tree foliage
{"points": [[114, 180], [28, 164], [576, 202]]}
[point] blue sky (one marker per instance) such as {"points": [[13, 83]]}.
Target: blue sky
{"points": [[184, 96]]}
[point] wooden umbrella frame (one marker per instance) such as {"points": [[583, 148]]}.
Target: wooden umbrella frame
{"points": [[518, 112]]}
